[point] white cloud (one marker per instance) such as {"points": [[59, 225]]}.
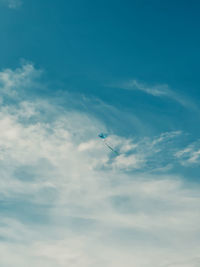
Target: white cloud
{"points": [[13, 4], [67, 201], [190, 155], [159, 90], [13, 81]]}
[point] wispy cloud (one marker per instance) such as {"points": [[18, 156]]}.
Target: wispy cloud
{"points": [[66, 201], [157, 90], [13, 4], [190, 154]]}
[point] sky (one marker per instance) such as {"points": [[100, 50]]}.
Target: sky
{"points": [[70, 70]]}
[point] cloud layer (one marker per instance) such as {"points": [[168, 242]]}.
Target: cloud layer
{"points": [[67, 201]]}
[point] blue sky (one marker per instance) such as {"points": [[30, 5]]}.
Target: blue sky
{"points": [[68, 71]]}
